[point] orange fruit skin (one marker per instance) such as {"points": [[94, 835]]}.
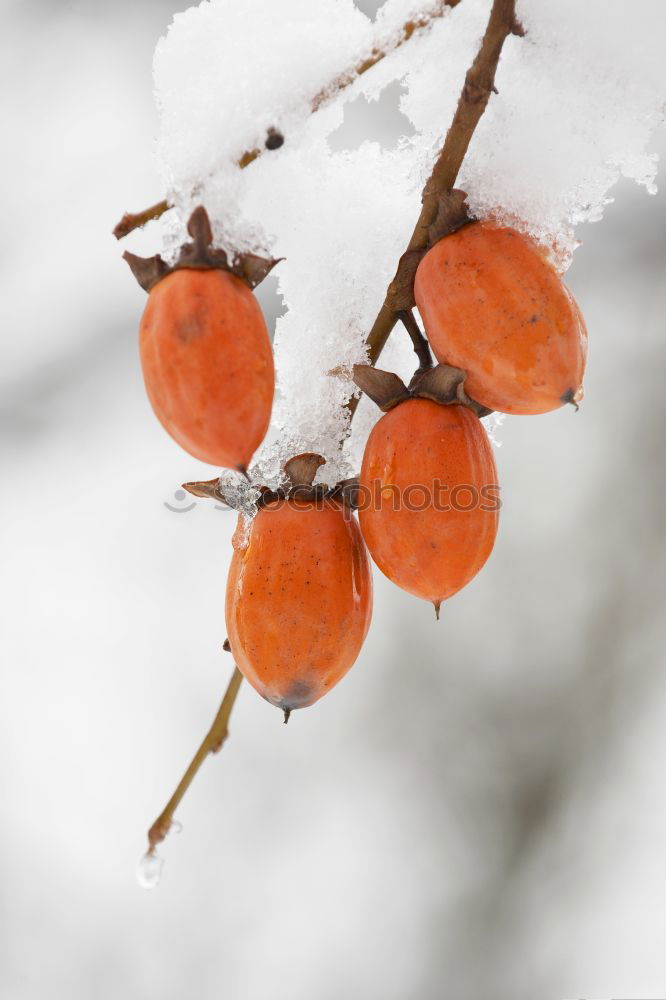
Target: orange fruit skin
{"points": [[299, 601], [430, 553], [494, 306], [208, 365]]}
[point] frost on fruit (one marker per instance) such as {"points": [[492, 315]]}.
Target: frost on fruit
{"points": [[579, 97]]}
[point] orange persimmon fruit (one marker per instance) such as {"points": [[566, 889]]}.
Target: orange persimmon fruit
{"points": [[493, 305], [208, 365], [429, 497], [299, 600]]}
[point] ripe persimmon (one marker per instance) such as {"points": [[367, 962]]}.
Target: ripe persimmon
{"points": [[299, 599], [429, 497], [205, 352], [493, 305], [208, 365]]}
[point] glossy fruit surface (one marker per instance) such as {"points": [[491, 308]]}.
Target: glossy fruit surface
{"points": [[429, 497], [208, 365], [299, 600], [493, 305]]}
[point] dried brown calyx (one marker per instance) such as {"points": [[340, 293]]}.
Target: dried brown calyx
{"points": [[442, 384], [200, 255], [300, 472]]}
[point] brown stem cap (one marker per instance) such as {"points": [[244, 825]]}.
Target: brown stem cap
{"points": [[200, 255], [442, 384]]}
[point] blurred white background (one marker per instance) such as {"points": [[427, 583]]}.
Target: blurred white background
{"points": [[478, 809]]}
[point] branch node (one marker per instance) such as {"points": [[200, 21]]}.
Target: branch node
{"points": [[451, 215]]}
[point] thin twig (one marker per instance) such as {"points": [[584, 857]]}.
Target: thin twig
{"points": [[134, 220], [212, 742], [419, 342], [380, 52], [478, 86]]}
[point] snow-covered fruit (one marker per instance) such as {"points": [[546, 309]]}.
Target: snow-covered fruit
{"points": [[205, 351], [493, 305], [299, 591], [428, 493]]}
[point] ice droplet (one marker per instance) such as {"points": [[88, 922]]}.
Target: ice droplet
{"points": [[149, 870], [176, 826]]}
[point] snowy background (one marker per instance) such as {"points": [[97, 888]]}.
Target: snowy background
{"points": [[478, 809]]}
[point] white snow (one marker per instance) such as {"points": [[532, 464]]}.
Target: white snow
{"points": [[579, 97]]}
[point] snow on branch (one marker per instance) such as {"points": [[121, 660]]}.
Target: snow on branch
{"points": [[274, 139]]}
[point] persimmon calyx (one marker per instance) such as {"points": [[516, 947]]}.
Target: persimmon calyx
{"points": [[301, 469], [208, 489], [200, 255], [300, 472], [442, 384], [384, 388]]}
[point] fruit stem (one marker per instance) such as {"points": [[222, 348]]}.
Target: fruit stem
{"points": [[212, 742], [419, 343]]}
